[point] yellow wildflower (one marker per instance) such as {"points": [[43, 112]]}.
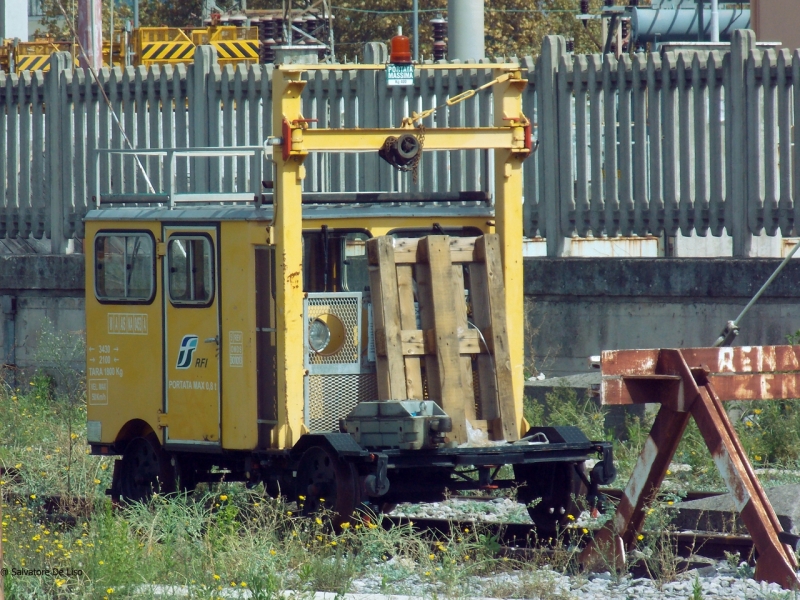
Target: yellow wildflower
{"points": [[757, 411], [216, 577], [223, 497], [640, 537], [345, 525], [97, 481]]}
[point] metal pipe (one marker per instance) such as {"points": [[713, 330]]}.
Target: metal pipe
{"points": [[416, 30], [715, 20], [731, 329], [465, 29], [111, 37], [663, 25], [136, 14]]}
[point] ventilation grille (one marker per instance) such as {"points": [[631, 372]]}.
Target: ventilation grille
{"points": [[332, 397], [347, 307]]}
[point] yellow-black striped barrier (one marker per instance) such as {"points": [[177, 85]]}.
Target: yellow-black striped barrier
{"points": [[33, 62], [237, 49], [167, 52]]}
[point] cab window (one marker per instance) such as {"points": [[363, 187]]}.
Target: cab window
{"points": [[335, 260], [124, 267], [191, 270]]}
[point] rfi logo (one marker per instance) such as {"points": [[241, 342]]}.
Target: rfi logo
{"points": [[188, 346]]}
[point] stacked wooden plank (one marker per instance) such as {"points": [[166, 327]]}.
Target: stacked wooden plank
{"points": [[432, 341]]}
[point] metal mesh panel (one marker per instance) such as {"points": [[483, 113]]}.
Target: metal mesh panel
{"points": [[332, 397], [347, 309]]}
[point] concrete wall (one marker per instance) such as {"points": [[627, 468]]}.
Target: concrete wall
{"points": [[32, 288], [582, 306], [578, 306]]}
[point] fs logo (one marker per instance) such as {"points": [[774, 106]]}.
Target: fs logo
{"points": [[188, 346]]}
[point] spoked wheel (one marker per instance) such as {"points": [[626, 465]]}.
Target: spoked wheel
{"points": [[327, 483], [558, 485], [145, 469]]}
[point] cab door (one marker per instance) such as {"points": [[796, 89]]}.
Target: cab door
{"points": [[191, 336]]}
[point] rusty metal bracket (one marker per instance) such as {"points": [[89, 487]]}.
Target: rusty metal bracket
{"points": [[693, 383]]}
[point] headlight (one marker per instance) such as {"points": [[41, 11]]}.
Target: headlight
{"points": [[319, 335]]}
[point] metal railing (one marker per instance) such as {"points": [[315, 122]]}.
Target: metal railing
{"points": [[169, 195]]}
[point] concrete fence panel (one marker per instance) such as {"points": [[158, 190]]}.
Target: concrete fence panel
{"points": [[684, 143]]}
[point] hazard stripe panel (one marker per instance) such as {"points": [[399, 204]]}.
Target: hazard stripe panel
{"points": [[237, 49], [32, 63], [168, 51]]}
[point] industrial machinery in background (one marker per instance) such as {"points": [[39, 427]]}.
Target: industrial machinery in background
{"points": [[246, 37], [632, 27]]}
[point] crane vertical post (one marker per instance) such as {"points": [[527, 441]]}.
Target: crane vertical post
{"points": [[508, 211], [287, 87]]}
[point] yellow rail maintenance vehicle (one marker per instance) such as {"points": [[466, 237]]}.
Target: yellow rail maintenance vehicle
{"points": [[344, 349]]}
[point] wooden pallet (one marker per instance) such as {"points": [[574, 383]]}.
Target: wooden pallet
{"points": [[457, 355]]}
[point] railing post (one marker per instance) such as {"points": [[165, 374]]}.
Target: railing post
{"points": [[741, 43], [204, 58], [59, 63], [553, 48]]}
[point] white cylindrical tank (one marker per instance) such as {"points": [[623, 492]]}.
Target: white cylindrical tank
{"points": [[666, 25], [465, 29]]}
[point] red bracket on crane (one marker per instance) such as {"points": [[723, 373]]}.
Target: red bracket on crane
{"points": [[693, 383]]}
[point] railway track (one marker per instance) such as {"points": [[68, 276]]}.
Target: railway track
{"points": [[518, 540]]}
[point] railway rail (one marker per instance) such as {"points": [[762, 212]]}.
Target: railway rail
{"points": [[517, 540], [520, 540]]}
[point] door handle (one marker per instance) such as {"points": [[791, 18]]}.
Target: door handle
{"points": [[214, 340]]}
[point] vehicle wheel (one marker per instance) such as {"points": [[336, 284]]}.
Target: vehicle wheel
{"points": [[145, 469], [558, 485], [327, 483]]}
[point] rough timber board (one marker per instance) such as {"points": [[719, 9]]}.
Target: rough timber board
{"points": [[489, 408], [460, 304], [386, 315], [435, 288], [408, 321], [487, 254]]}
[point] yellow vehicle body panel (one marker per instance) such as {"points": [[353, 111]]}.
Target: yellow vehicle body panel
{"points": [[133, 350], [123, 380]]}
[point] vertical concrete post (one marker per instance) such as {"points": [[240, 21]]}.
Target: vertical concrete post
{"points": [[204, 58], [742, 42], [553, 48], [375, 53], [465, 29], [59, 63], [90, 33]]}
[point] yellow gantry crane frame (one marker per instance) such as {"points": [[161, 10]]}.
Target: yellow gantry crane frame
{"points": [[510, 138]]}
